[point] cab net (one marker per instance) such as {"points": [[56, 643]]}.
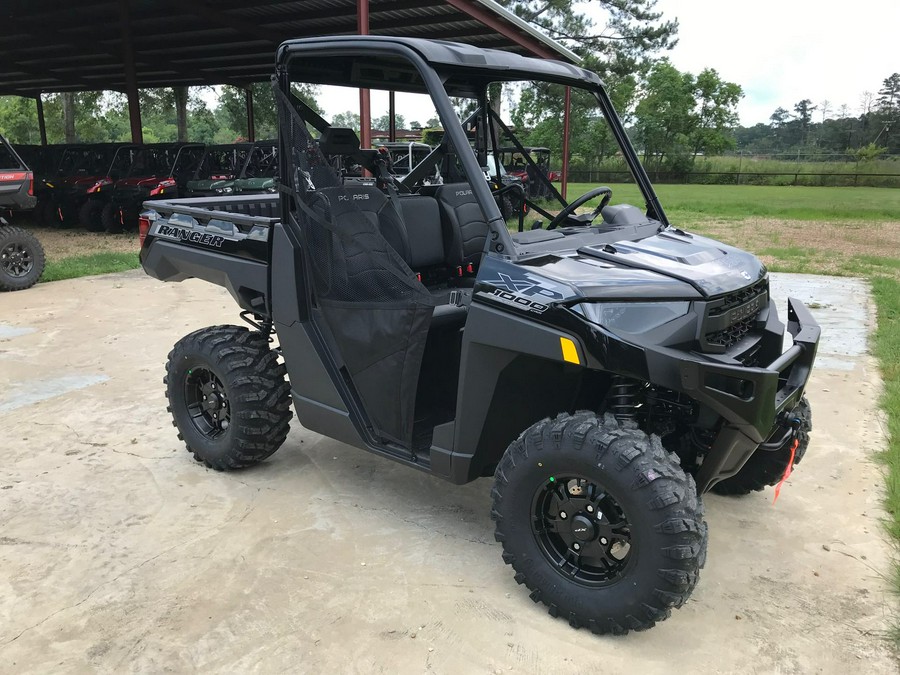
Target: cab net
{"points": [[366, 301]]}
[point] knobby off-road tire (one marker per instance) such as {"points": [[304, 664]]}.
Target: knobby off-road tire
{"points": [[228, 396], [765, 467], [21, 259], [633, 489]]}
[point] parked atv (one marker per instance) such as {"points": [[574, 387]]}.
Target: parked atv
{"points": [[220, 166], [44, 161], [157, 172], [84, 174], [605, 370], [260, 173], [21, 254], [527, 171]]}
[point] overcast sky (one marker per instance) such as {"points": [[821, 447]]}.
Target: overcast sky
{"points": [[779, 51], [782, 51]]}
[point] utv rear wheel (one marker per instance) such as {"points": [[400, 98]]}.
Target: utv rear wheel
{"points": [[766, 467], [110, 219], [228, 396], [21, 259], [599, 522]]}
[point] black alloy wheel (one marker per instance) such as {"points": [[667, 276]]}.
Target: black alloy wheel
{"points": [[582, 530], [207, 402]]}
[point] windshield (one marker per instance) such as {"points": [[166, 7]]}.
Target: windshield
{"points": [[490, 103], [152, 162], [86, 161], [222, 162], [262, 162]]}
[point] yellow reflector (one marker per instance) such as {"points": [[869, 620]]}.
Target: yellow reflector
{"points": [[569, 351]]}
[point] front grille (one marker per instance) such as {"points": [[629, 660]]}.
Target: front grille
{"points": [[729, 318], [729, 337], [737, 298]]}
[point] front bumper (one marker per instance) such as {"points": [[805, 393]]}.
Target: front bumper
{"points": [[752, 400]]}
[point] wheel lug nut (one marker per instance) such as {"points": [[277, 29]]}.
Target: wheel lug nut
{"points": [[590, 509], [562, 514], [603, 540], [576, 546]]}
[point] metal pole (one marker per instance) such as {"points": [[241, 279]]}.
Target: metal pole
{"points": [[392, 122], [565, 143], [251, 124], [42, 127], [365, 103], [131, 89]]}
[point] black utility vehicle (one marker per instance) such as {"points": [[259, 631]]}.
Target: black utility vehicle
{"points": [[21, 254], [606, 369]]}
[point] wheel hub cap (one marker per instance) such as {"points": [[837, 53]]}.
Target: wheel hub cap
{"points": [[583, 528]]}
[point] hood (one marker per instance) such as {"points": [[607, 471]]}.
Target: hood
{"points": [[713, 268], [139, 181]]}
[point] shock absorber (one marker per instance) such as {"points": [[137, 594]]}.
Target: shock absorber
{"points": [[622, 400]]}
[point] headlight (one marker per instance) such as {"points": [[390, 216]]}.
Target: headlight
{"points": [[225, 190], [632, 317]]}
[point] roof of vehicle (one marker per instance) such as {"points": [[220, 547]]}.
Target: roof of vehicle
{"points": [[385, 66]]}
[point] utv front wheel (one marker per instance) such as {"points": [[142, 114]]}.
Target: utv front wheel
{"points": [[21, 259], [228, 396], [766, 467], [599, 522]]}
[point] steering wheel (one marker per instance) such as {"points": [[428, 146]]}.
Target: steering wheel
{"points": [[585, 218]]}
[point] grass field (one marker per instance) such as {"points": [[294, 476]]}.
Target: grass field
{"points": [[741, 201]]}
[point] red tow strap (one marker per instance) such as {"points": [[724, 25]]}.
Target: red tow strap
{"points": [[787, 470]]}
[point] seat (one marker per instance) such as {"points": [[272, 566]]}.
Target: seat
{"points": [[464, 227], [422, 218]]}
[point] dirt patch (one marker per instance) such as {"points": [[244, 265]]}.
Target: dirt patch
{"points": [[60, 244], [828, 246]]}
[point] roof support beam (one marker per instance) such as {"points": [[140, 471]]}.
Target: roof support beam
{"points": [[131, 90], [365, 102], [42, 127], [567, 109], [251, 123], [488, 18]]}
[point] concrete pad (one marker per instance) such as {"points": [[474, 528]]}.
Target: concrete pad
{"points": [[119, 553]]}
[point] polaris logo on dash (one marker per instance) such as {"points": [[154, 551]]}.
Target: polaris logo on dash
{"points": [[181, 234], [352, 197]]}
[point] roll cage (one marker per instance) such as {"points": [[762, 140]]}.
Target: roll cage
{"points": [[442, 70]]}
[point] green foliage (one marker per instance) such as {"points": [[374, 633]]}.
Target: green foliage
{"points": [[432, 136], [681, 116], [384, 122], [346, 120], [869, 152]]}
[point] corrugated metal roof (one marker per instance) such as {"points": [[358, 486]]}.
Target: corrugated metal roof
{"points": [[49, 46]]}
